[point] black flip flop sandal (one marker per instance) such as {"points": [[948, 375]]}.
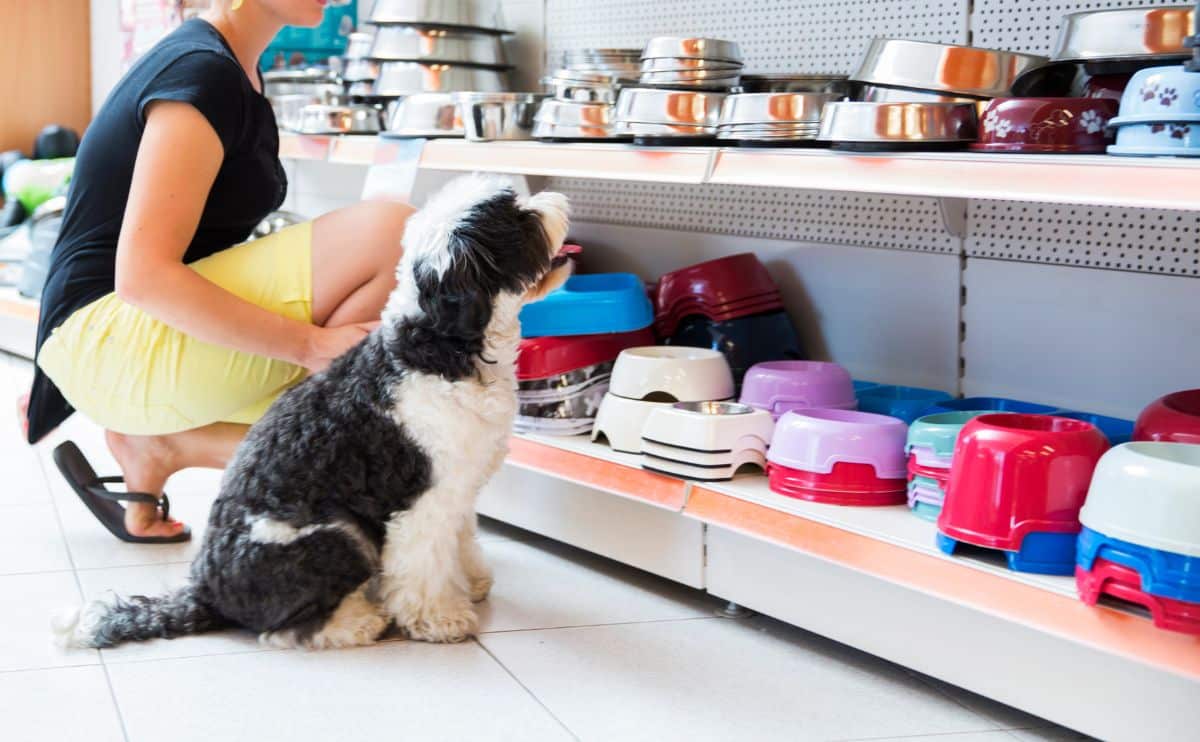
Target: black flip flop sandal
{"points": [[104, 503]]}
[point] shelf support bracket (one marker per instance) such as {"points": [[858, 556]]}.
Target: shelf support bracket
{"points": [[954, 216]]}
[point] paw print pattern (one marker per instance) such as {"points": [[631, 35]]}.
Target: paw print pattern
{"points": [[1179, 131], [1168, 96], [1157, 128], [1092, 122], [993, 124], [1149, 92]]}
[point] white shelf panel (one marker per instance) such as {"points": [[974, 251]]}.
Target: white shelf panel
{"points": [[1150, 183]]}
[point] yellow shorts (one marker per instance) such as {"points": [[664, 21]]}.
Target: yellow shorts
{"points": [[133, 374]]}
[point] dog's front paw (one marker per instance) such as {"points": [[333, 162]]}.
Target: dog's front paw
{"points": [[444, 628], [480, 587]]}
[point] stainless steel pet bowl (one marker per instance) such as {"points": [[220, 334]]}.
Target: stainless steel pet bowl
{"points": [[671, 108], [498, 116], [413, 44], [326, 119], [407, 78], [681, 47], [481, 15], [867, 126], [425, 115], [944, 68]]}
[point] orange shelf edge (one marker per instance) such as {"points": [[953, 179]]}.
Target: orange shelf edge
{"points": [[22, 310], [1109, 630], [635, 484]]}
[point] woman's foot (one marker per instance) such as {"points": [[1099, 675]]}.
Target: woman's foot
{"points": [[23, 413], [146, 461]]}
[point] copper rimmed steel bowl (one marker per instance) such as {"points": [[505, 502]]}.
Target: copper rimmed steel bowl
{"points": [[414, 44], [773, 108], [863, 126], [964, 71]]}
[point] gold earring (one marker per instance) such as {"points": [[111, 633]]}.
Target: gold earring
{"points": [[236, 4]]}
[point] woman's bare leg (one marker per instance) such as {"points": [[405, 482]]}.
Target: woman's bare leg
{"points": [[354, 255]]}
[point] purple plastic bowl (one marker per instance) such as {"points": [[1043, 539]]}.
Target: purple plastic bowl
{"points": [[781, 386], [815, 440]]}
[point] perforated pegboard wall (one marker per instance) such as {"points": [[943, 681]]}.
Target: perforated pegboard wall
{"points": [[818, 36], [891, 222], [1142, 240], [1032, 25]]}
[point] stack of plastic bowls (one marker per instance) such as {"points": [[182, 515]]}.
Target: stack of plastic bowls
{"points": [[905, 402], [650, 378], [930, 449], [838, 457], [1141, 532], [572, 337], [782, 386], [1174, 418], [1160, 114], [1017, 483], [731, 305], [705, 441], [562, 380]]}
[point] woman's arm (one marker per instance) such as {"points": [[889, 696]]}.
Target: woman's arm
{"points": [[177, 163]]}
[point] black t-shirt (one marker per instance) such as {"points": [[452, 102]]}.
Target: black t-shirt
{"points": [[194, 65]]}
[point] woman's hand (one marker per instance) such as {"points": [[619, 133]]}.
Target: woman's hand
{"points": [[327, 343]]}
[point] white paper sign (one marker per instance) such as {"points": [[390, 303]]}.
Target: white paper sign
{"points": [[395, 170]]}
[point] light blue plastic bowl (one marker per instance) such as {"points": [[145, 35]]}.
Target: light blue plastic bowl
{"points": [[591, 304]]}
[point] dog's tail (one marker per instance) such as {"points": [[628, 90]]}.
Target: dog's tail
{"points": [[107, 623]]}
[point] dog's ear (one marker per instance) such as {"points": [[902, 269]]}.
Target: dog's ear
{"points": [[554, 213], [449, 333]]}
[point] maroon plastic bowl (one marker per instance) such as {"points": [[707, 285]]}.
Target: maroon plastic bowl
{"points": [[1046, 125], [1111, 87], [715, 283]]}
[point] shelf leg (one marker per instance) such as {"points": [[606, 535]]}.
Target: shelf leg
{"points": [[733, 610]]}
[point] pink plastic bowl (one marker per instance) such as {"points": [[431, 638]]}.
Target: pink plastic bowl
{"points": [[817, 440], [781, 386]]}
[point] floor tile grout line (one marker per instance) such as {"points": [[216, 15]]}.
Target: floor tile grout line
{"points": [[1004, 732], [526, 688], [62, 531], [924, 680]]}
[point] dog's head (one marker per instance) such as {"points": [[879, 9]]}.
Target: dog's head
{"points": [[475, 252]]}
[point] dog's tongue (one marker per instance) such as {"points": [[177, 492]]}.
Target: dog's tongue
{"points": [[565, 253]]}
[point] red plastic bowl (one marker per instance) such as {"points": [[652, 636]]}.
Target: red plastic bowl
{"points": [[1046, 125], [847, 484], [715, 282], [666, 325], [1121, 582], [1016, 474], [1173, 419], [550, 356]]}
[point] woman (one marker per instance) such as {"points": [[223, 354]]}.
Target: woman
{"points": [[155, 323]]}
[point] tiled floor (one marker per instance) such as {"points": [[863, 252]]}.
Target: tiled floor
{"points": [[573, 646]]}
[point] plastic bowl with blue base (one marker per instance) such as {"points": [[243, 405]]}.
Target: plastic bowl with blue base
{"points": [[1163, 573], [1040, 553], [989, 404], [905, 402], [590, 304]]}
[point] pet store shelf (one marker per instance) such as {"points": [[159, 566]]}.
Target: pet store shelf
{"points": [[18, 323], [1159, 183], [886, 543]]}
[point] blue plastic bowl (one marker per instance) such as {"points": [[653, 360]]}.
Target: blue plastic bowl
{"points": [[990, 404], [859, 386], [1117, 431], [905, 402], [592, 304], [1170, 138]]}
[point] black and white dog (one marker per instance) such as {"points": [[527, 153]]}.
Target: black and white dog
{"points": [[351, 504]]}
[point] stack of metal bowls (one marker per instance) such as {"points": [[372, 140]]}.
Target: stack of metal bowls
{"points": [[772, 119], [291, 91], [691, 64], [431, 49], [358, 69], [681, 87], [582, 108], [787, 82]]}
